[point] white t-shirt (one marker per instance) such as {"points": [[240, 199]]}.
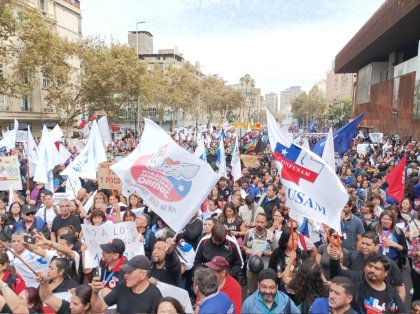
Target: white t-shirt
{"points": [[33, 260], [49, 214]]}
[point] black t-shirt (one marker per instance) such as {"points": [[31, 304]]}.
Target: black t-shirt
{"points": [[225, 193], [65, 286], [375, 301], [64, 308], [129, 302], [356, 262], [59, 222]]}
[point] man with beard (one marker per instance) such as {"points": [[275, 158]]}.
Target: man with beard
{"points": [[258, 242], [374, 294], [339, 298], [267, 298], [166, 264]]}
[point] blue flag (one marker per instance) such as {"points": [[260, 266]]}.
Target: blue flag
{"points": [[342, 137]]}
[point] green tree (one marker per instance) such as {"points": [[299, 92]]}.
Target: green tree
{"points": [[340, 111]]}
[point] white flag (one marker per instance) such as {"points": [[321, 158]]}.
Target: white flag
{"points": [[104, 130], [73, 185], [249, 128], [312, 188], [172, 182], [90, 201], [221, 158], [56, 134], [236, 162], [328, 153], [31, 150], [9, 138], [48, 158], [64, 154], [86, 131], [200, 151], [87, 162]]}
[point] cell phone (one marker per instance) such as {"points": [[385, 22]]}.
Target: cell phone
{"points": [[29, 239], [96, 272]]}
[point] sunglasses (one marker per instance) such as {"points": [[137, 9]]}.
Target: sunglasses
{"points": [[30, 214]]}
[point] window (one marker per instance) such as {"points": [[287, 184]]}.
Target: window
{"points": [[42, 5], [3, 106], [45, 82], [160, 65], [26, 105], [79, 21], [150, 67]]}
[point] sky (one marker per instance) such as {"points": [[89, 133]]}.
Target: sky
{"points": [[279, 43]]}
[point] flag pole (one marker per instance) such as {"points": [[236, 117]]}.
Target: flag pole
{"points": [[18, 257], [72, 188]]}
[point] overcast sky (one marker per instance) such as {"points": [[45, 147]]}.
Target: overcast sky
{"points": [[279, 43]]}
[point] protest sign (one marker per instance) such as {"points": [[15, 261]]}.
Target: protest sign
{"points": [[249, 161], [363, 148], [10, 174], [21, 136], [57, 197], [94, 236], [108, 180]]}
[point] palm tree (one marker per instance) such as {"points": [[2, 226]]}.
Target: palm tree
{"points": [[248, 81]]}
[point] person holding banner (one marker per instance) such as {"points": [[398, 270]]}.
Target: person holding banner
{"points": [[166, 264]]}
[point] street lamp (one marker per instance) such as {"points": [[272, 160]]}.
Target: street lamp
{"points": [[137, 123]]}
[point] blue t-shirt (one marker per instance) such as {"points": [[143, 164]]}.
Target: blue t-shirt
{"points": [[215, 304]]}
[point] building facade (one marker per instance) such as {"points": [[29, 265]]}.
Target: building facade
{"points": [[34, 110], [385, 54], [339, 86], [271, 101]]}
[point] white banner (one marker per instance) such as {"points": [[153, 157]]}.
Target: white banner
{"points": [[305, 177], [170, 180], [376, 137], [10, 174], [94, 236], [363, 148], [21, 136]]}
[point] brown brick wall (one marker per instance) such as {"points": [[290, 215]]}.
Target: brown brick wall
{"points": [[379, 113]]}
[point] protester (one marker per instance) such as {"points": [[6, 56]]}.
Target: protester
{"points": [[64, 219], [267, 298], [30, 223], [166, 264], [146, 234], [339, 299], [169, 305], [249, 211], [211, 300], [268, 201], [132, 295]]}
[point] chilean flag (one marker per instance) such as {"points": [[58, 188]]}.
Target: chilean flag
{"points": [[82, 123], [292, 161]]}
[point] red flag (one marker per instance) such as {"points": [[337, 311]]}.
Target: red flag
{"points": [[396, 181]]}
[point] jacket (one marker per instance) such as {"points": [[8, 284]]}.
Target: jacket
{"points": [[282, 304]]}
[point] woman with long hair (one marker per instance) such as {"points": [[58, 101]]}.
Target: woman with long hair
{"points": [[393, 243], [278, 225], [5, 230], [31, 299], [13, 279], [287, 254], [128, 216], [207, 226], [367, 214], [14, 214], [232, 222], [407, 210], [169, 305], [378, 203], [62, 275], [134, 202], [77, 209], [308, 284]]}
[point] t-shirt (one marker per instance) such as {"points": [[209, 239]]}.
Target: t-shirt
{"points": [[47, 214], [72, 220], [218, 302], [112, 277], [129, 302], [351, 228], [64, 308], [36, 262], [376, 302]]}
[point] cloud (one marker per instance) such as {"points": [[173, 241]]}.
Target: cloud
{"points": [[279, 43]]}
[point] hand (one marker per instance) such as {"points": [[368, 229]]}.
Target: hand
{"points": [[96, 285], [42, 277], [141, 238], [258, 254], [153, 281], [388, 242], [171, 243], [334, 252]]}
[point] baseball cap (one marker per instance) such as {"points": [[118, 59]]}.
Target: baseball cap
{"points": [[137, 262], [114, 246], [26, 209], [217, 263]]}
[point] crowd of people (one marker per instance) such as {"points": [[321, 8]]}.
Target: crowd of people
{"points": [[240, 253]]}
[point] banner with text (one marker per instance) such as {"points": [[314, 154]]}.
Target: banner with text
{"points": [[94, 236], [10, 174], [108, 180], [249, 160]]}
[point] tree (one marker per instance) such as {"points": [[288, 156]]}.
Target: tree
{"points": [[310, 106], [340, 112]]}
